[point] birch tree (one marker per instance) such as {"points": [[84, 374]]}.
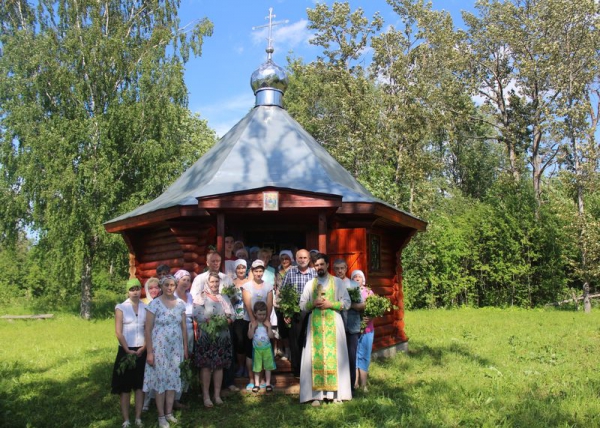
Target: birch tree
{"points": [[93, 119]]}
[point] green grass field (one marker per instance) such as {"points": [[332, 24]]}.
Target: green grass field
{"points": [[466, 367]]}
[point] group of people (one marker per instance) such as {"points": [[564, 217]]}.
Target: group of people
{"points": [[229, 324]]}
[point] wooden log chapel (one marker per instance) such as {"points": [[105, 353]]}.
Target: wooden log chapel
{"points": [[268, 183]]}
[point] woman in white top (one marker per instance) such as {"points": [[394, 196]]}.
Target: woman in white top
{"points": [[130, 319]]}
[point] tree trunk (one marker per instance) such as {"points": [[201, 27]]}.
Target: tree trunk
{"points": [[587, 303], [85, 307], [85, 310]]}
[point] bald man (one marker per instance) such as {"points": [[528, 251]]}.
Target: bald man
{"points": [[297, 277]]}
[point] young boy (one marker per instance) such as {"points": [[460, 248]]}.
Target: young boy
{"points": [[262, 354]]}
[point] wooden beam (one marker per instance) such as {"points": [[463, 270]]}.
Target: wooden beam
{"points": [[152, 218], [323, 232], [221, 234], [25, 317]]}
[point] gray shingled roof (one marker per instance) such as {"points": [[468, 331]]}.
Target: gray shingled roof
{"points": [[266, 148]]}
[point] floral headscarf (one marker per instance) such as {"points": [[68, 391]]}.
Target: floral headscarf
{"points": [[181, 273], [201, 298]]}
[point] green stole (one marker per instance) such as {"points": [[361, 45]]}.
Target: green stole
{"points": [[324, 341]]}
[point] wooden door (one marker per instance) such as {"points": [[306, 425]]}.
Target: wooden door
{"points": [[350, 245]]}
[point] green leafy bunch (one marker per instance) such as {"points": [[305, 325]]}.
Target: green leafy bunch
{"points": [[186, 372], [214, 326], [354, 293], [230, 291], [288, 301], [128, 362], [376, 306]]}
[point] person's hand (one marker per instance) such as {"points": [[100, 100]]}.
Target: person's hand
{"points": [[140, 351], [367, 320], [287, 320], [229, 321], [185, 354], [254, 325], [267, 323], [326, 304], [150, 359]]}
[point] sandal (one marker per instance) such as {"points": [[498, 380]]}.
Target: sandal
{"points": [[208, 403], [249, 387], [255, 389], [269, 388]]}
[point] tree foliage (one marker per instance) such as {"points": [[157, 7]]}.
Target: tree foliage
{"points": [[488, 132], [94, 122]]}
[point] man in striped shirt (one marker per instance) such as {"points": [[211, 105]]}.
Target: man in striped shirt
{"points": [[297, 277]]}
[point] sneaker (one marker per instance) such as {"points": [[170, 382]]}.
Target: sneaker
{"points": [[126, 424], [171, 418], [139, 423], [162, 422]]}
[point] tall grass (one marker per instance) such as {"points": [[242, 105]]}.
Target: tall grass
{"points": [[467, 367]]}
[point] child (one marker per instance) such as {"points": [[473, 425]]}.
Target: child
{"points": [[262, 353]]}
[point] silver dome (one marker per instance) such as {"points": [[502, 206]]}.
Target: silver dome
{"points": [[269, 76]]}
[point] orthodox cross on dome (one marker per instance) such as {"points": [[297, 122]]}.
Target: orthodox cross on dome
{"points": [[270, 25]]}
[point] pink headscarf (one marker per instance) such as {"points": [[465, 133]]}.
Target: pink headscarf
{"points": [[201, 298]]}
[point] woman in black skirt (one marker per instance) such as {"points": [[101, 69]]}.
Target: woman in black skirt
{"points": [[128, 372]]}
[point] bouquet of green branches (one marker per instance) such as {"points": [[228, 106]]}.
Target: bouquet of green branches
{"points": [[127, 363], [214, 326], [288, 301], [376, 306], [230, 291], [354, 293], [186, 372]]}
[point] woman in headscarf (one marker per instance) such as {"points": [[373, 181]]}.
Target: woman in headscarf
{"points": [[152, 290], [184, 283], [240, 327], [365, 340], [282, 346], [166, 342], [130, 319], [213, 346]]}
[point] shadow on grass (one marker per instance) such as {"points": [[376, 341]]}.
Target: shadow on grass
{"points": [[84, 400]]}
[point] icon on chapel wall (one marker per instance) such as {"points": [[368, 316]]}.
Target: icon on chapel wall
{"points": [[270, 201]]}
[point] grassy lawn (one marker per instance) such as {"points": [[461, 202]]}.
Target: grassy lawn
{"points": [[467, 367]]}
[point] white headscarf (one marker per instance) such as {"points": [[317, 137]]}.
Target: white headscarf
{"points": [[361, 273], [148, 296]]}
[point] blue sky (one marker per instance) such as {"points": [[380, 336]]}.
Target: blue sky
{"points": [[219, 80]]}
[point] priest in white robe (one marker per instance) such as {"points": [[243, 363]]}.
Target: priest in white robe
{"points": [[325, 369]]}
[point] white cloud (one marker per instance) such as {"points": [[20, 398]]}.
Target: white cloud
{"points": [[285, 37]]}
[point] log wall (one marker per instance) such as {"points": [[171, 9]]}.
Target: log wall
{"points": [[387, 282], [180, 244]]}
